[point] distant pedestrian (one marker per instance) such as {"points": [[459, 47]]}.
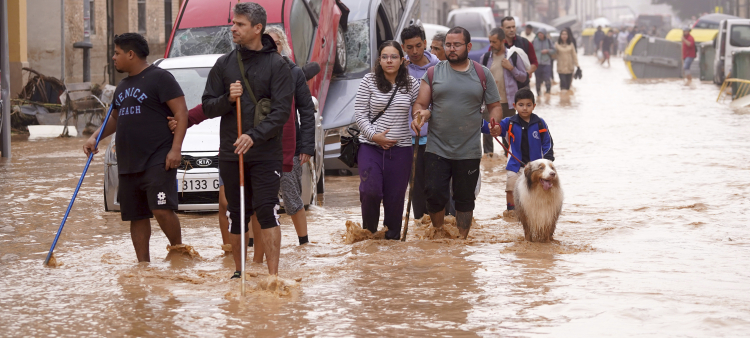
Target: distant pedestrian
{"points": [[544, 51], [528, 33], [632, 33], [269, 80], [567, 60], [148, 154], [509, 72], [509, 26], [454, 147], [413, 42], [436, 46], [381, 110], [622, 40], [606, 47], [598, 37], [615, 50], [688, 53]]}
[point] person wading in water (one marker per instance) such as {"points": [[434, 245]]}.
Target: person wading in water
{"points": [[148, 154], [454, 148], [272, 85]]}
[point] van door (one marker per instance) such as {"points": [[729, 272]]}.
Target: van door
{"points": [[312, 30], [738, 39]]}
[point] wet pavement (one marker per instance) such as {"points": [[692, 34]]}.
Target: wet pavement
{"points": [[652, 241]]}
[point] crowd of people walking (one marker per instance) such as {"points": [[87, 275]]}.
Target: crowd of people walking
{"points": [[433, 104]]}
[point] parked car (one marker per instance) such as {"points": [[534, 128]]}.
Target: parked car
{"points": [[733, 36], [370, 23], [198, 175], [479, 21], [431, 29]]}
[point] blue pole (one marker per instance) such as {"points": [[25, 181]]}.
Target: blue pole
{"points": [[73, 199]]}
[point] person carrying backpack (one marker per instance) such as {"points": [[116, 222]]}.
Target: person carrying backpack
{"points": [[457, 89], [509, 73]]}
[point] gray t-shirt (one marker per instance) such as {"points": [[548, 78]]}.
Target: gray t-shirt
{"points": [[456, 120]]}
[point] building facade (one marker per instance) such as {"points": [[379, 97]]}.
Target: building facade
{"points": [[37, 35]]}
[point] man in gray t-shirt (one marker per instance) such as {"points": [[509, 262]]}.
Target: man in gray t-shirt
{"points": [[454, 148]]}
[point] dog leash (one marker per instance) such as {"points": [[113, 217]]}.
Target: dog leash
{"points": [[493, 124]]}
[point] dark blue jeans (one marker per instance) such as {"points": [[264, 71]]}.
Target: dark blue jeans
{"points": [[543, 74], [383, 177]]}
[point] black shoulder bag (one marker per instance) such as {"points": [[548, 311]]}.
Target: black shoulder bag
{"points": [[350, 144]]}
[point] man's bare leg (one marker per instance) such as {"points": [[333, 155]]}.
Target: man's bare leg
{"points": [[272, 244], [169, 224], [463, 222], [438, 218], [234, 239], [223, 219], [140, 233], [258, 244], [300, 222]]}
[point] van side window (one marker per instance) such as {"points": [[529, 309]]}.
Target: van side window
{"points": [[302, 27], [315, 5]]}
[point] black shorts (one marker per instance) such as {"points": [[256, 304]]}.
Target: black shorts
{"points": [[142, 192], [465, 174], [262, 182]]}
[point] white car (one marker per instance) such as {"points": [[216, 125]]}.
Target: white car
{"points": [[198, 175], [479, 21]]}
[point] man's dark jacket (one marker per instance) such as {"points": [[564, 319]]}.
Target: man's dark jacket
{"points": [[270, 77]]}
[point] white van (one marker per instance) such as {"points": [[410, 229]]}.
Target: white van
{"points": [[479, 21], [734, 36], [430, 30]]}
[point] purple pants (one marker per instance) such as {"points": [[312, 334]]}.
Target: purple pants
{"points": [[375, 165]]}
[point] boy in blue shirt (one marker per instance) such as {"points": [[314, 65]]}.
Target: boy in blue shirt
{"points": [[528, 137]]}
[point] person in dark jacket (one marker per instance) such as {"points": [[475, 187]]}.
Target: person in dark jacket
{"points": [[271, 79], [291, 181], [598, 37]]}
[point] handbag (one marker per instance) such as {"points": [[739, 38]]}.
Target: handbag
{"points": [[350, 144], [262, 107], [578, 74]]}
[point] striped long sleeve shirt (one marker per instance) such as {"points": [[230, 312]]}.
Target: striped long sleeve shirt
{"points": [[370, 101]]}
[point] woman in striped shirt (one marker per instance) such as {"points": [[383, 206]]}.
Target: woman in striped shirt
{"points": [[386, 141]]}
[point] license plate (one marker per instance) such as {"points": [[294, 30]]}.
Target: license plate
{"points": [[198, 184]]}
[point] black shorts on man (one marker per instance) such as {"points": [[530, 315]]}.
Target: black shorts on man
{"points": [[262, 182], [142, 192], [465, 174], [143, 140]]}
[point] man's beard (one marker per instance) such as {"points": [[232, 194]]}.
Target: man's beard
{"points": [[460, 58], [119, 70]]}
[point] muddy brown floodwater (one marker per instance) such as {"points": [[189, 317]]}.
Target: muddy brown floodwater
{"points": [[653, 241]]}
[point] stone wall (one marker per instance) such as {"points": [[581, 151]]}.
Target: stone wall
{"points": [[44, 35]]}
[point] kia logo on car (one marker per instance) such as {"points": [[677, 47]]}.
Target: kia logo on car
{"points": [[203, 162]]}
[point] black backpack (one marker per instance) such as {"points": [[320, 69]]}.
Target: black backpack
{"points": [[513, 59]]}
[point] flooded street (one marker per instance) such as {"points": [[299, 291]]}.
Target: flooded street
{"points": [[652, 241]]}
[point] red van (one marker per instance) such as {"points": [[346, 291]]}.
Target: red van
{"points": [[312, 28]]}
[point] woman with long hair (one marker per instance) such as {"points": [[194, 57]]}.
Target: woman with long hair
{"points": [[381, 108], [567, 59]]}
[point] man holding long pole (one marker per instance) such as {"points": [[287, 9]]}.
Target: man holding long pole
{"points": [[147, 153], [255, 72]]}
